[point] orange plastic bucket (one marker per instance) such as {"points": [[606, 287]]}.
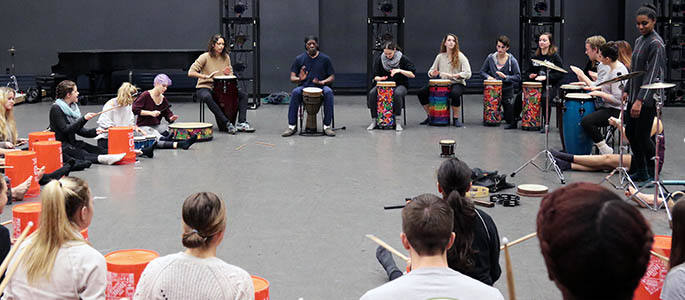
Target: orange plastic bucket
{"points": [[261, 288], [22, 214], [121, 141], [49, 154], [123, 271], [24, 164], [40, 136], [653, 280]]}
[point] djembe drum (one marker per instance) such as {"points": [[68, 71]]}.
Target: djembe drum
{"points": [[576, 106], [386, 116], [438, 112], [530, 116], [311, 97], [492, 96], [226, 95]]}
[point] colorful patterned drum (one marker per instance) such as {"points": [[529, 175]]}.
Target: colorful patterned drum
{"points": [[576, 106], [492, 96], [438, 112], [386, 116], [530, 116], [184, 130], [311, 97]]}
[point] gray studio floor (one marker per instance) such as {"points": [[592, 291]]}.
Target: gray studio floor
{"points": [[298, 211]]}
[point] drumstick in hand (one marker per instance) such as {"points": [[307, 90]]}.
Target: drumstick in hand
{"points": [[522, 239], [106, 110], [6, 223], [510, 270]]}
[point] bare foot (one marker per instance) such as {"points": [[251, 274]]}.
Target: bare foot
{"points": [[40, 173], [647, 198], [19, 191]]}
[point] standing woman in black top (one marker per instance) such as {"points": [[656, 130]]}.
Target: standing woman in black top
{"points": [[546, 51], [649, 56], [394, 66]]}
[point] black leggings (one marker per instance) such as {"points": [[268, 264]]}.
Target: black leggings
{"points": [[593, 121], [83, 151], [638, 133], [205, 94], [456, 90]]}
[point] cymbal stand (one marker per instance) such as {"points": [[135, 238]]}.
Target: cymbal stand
{"points": [[549, 160], [658, 185]]}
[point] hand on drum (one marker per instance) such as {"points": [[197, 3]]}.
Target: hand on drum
{"points": [[380, 78], [100, 130], [501, 75], [491, 78], [89, 116], [576, 70], [228, 71], [540, 78], [635, 109], [434, 74], [532, 76], [173, 118], [317, 81], [393, 72], [595, 93]]}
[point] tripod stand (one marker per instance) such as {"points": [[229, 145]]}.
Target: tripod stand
{"points": [[549, 161], [658, 185]]}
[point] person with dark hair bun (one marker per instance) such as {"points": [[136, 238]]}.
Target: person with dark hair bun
{"points": [[475, 252], [649, 56], [674, 285], [595, 245], [197, 273]]}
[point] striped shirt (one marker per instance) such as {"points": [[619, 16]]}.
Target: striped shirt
{"points": [[649, 55]]}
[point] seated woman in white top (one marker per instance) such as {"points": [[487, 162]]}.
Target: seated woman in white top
{"points": [[59, 263], [197, 273]]}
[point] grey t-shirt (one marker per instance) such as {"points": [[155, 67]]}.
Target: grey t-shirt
{"points": [[674, 285], [433, 283]]}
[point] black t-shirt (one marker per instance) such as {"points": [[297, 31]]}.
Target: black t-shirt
{"points": [[485, 244], [319, 67], [5, 245]]}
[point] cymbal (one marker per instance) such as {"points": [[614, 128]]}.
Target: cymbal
{"points": [[622, 77], [658, 86], [548, 64]]}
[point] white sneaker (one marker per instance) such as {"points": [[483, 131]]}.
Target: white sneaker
{"points": [[244, 126], [372, 126], [110, 159], [604, 148], [398, 127]]}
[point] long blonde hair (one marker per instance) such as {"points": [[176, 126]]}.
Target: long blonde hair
{"points": [[8, 127], [60, 200], [125, 94], [625, 53], [454, 59]]}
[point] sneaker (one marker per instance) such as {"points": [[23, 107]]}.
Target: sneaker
{"points": [[513, 125], [456, 122], [230, 128], [425, 122], [288, 132], [398, 127], [244, 126], [372, 126], [384, 257], [329, 131]]}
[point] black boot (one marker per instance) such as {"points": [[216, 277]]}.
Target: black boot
{"points": [[149, 151], [385, 258], [187, 143]]}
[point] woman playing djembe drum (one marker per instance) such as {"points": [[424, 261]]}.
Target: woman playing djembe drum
{"points": [[546, 51], [503, 66], [393, 66], [449, 64], [150, 107]]}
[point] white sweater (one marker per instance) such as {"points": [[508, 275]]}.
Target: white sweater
{"points": [[442, 64], [122, 116], [80, 272], [182, 276]]}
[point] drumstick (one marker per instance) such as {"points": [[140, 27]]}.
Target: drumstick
{"points": [[106, 110], [265, 144], [13, 269], [6, 223], [664, 258], [14, 249], [510, 270], [6, 167], [522, 239], [386, 246], [240, 147]]}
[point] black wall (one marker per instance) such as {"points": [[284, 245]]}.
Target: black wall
{"points": [[40, 28]]}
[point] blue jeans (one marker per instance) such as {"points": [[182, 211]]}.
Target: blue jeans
{"points": [[296, 100]]}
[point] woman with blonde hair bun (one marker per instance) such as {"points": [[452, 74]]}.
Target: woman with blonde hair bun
{"points": [[59, 263], [175, 276]]}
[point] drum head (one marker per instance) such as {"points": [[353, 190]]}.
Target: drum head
{"points": [[312, 90], [532, 84], [532, 190], [441, 82], [138, 138], [190, 125], [579, 96], [571, 87], [224, 77], [446, 142], [492, 82], [386, 83]]}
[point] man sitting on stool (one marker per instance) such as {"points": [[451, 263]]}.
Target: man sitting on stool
{"points": [[427, 233], [307, 71], [214, 62]]}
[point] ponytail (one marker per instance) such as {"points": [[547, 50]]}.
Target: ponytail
{"points": [[462, 256]]}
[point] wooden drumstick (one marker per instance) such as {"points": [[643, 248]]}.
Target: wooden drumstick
{"points": [[664, 258], [6, 223], [523, 239], [510, 270], [240, 147], [6, 167], [265, 144], [106, 110], [386, 246], [16, 245]]}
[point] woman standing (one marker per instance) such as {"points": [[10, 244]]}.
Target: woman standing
{"points": [[502, 65], [450, 64]]}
